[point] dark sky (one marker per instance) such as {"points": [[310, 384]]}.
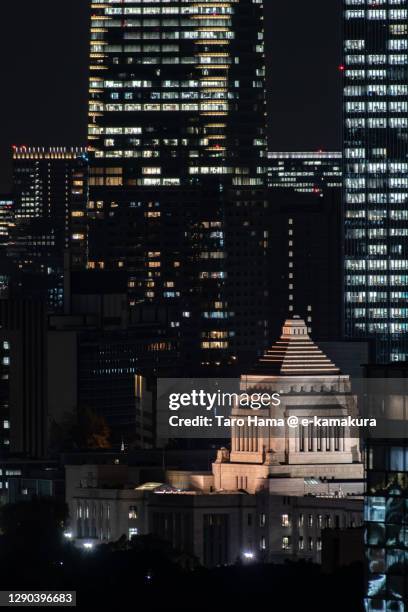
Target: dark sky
{"points": [[43, 58]]}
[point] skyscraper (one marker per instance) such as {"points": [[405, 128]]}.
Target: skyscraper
{"points": [[375, 175], [6, 228], [386, 503], [304, 254], [305, 171], [50, 185], [177, 131]]}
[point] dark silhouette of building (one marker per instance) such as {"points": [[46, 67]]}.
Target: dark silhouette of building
{"points": [[305, 272], [341, 547], [93, 357], [23, 326]]}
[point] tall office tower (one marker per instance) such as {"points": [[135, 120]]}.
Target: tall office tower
{"points": [[177, 131], [6, 219], [386, 500], [305, 171], [305, 276], [375, 178], [50, 186], [6, 228], [23, 384]]}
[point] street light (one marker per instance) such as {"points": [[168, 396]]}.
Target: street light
{"points": [[249, 555]]}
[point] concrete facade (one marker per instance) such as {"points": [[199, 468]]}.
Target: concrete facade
{"points": [[310, 385]]}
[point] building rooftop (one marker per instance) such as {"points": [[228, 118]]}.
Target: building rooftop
{"points": [[305, 155], [295, 354]]}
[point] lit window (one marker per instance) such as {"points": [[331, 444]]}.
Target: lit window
{"points": [[285, 520], [285, 543], [133, 531], [133, 514]]}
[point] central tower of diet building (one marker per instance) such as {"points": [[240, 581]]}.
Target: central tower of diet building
{"points": [[302, 458]]}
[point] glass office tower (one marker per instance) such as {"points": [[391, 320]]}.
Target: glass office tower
{"points": [[177, 131], [386, 519], [376, 174]]}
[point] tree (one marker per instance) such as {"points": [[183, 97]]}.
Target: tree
{"points": [[82, 430], [91, 430], [32, 530]]}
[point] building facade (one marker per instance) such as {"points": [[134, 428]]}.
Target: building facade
{"points": [[6, 220], [375, 174], [267, 499], [6, 229], [23, 377], [177, 135], [284, 459], [305, 252], [50, 191], [107, 503], [386, 500], [305, 171]]}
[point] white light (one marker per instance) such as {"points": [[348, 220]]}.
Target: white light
{"points": [[88, 545], [68, 535], [249, 555]]}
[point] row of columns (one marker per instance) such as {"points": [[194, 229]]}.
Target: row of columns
{"points": [[245, 439], [320, 439]]}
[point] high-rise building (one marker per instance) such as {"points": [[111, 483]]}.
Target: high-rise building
{"points": [[305, 254], [6, 219], [177, 133], [6, 228], [23, 388], [305, 171], [50, 190], [55, 367], [375, 70], [386, 500]]}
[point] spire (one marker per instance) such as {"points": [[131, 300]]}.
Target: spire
{"points": [[295, 354]]}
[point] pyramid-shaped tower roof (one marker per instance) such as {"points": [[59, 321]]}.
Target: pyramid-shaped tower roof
{"points": [[295, 354]]}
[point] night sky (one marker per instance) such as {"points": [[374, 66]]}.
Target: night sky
{"points": [[43, 68]]}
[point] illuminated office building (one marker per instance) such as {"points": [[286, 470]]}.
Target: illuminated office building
{"points": [[177, 132], [386, 500], [50, 190], [305, 171], [6, 219], [375, 68], [6, 228]]}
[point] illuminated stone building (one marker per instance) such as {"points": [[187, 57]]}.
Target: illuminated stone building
{"points": [[291, 461], [177, 133], [269, 497]]}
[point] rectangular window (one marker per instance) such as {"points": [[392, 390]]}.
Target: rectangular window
{"points": [[285, 520]]}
